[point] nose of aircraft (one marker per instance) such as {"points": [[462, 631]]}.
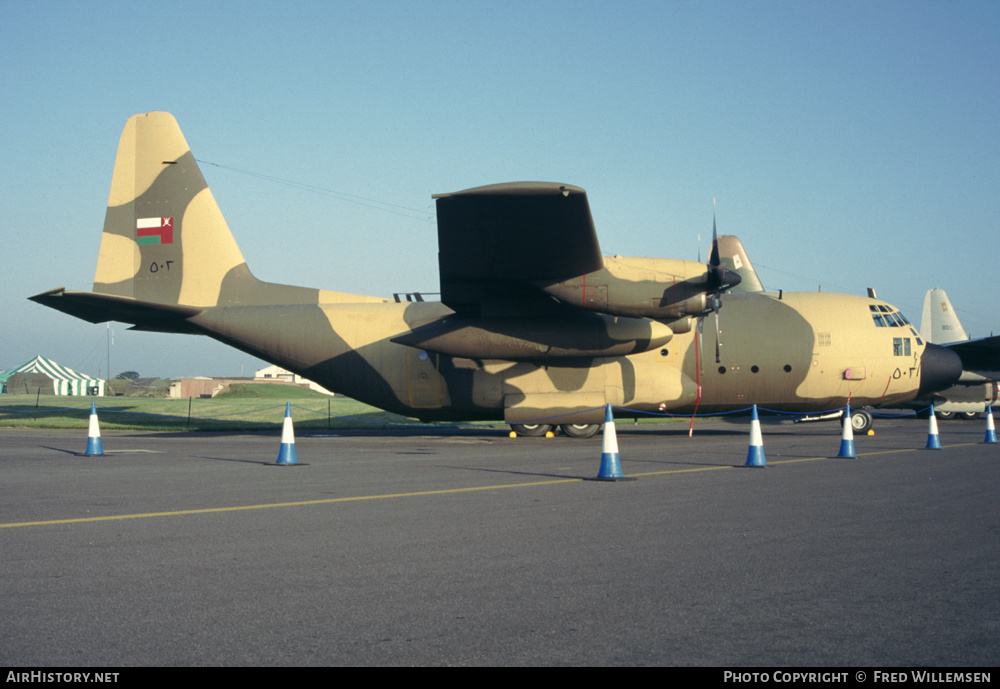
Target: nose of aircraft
{"points": [[939, 368]]}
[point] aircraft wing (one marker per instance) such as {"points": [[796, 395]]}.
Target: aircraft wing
{"points": [[494, 240], [979, 356]]}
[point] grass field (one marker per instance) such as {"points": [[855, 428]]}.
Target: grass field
{"points": [[244, 408]]}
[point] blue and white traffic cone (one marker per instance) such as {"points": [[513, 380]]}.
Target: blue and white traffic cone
{"points": [[611, 467], [991, 429], [286, 455], [755, 455], [847, 437], [933, 439], [94, 446]]}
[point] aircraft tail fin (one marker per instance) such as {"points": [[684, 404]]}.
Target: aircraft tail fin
{"points": [[166, 251], [735, 258], [939, 323], [165, 240]]}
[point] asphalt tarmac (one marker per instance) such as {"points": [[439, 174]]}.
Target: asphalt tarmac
{"points": [[437, 547]]}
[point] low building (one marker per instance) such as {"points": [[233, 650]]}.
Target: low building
{"points": [[210, 387], [276, 373]]}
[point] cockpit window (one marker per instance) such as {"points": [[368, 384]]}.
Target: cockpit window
{"points": [[885, 317]]}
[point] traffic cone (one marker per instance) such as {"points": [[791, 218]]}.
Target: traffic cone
{"points": [[755, 455], [611, 468], [991, 430], [847, 437], [933, 439], [286, 455], [94, 446]]}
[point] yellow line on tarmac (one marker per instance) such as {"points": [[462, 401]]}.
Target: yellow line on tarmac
{"points": [[360, 498], [793, 461], [301, 503]]}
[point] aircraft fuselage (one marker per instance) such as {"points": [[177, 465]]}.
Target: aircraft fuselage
{"points": [[796, 352]]}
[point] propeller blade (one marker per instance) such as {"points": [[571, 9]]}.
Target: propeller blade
{"points": [[713, 259], [719, 279], [718, 338]]}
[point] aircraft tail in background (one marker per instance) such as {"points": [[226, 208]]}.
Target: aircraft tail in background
{"points": [[735, 258], [939, 323]]}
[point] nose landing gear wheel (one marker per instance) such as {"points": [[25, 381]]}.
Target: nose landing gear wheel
{"points": [[861, 421]]}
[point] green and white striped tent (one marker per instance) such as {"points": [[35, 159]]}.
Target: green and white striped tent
{"points": [[65, 381]]}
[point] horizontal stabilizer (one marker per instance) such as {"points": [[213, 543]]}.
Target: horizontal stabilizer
{"points": [[98, 308]]}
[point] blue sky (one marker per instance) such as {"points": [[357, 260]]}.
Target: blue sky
{"points": [[848, 144]]}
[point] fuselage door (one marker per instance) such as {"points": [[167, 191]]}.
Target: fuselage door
{"points": [[425, 384]]}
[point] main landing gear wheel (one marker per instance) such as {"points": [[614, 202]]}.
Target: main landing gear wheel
{"points": [[945, 415], [969, 415], [861, 421], [580, 430], [531, 430]]}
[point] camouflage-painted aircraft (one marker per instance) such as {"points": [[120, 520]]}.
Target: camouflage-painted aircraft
{"points": [[534, 326]]}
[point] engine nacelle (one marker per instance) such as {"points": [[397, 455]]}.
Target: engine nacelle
{"points": [[521, 339], [664, 289]]}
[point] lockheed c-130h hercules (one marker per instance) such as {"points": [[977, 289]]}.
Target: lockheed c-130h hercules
{"points": [[535, 338]]}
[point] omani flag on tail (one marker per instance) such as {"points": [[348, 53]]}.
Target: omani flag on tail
{"points": [[154, 231]]}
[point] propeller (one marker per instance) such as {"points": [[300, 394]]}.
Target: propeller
{"points": [[719, 280]]}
